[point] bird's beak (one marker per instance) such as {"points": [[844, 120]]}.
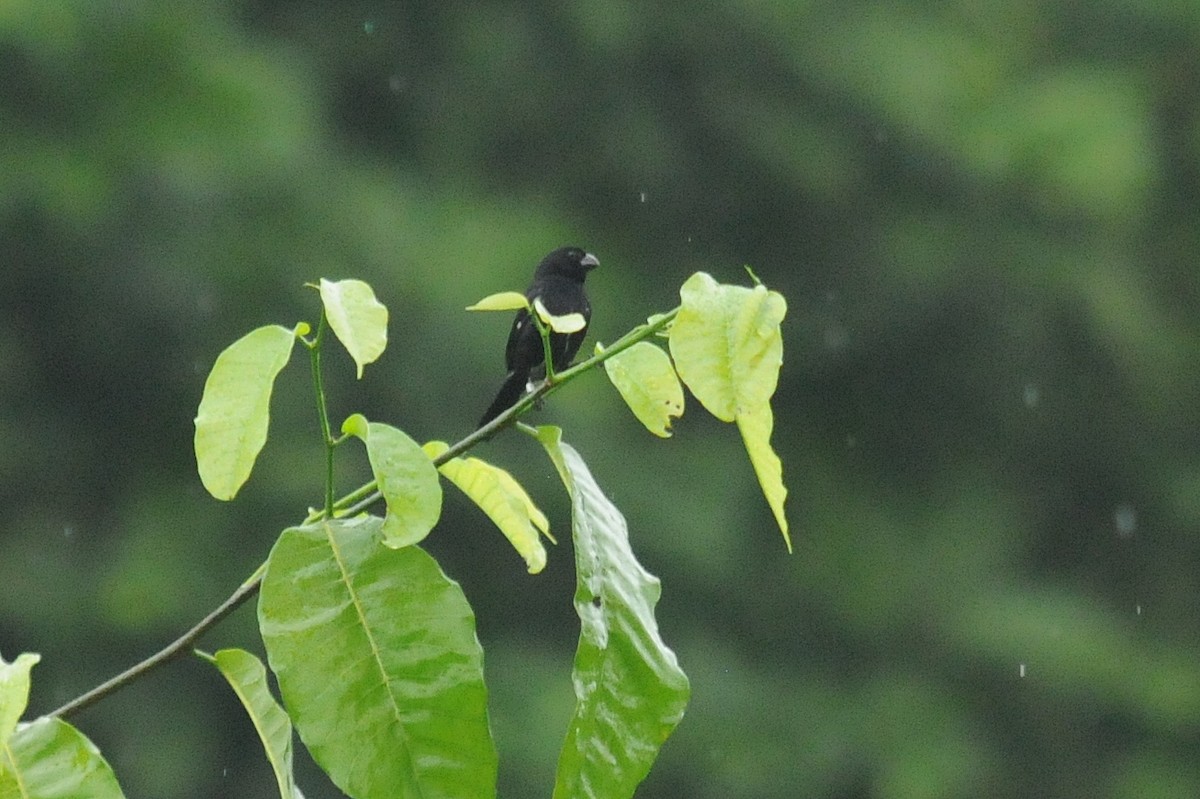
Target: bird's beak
{"points": [[590, 261]]}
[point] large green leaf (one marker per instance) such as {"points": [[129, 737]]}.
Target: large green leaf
{"points": [[377, 660], [630, 692], [501, 497], [50, 759], [728, 349], [248, 678], [231, 424], [727, 344], [357, 318], [14, 691], [648, 384], [406, 478]]}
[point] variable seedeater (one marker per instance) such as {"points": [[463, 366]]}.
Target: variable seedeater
{"points": [[558, 283]]}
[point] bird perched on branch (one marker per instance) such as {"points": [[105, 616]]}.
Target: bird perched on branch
{"points": [[558, 283]]}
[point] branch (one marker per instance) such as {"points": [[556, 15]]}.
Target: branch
{"points": [[168, 653], [352, 503]]}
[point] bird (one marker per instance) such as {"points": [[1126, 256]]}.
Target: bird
{"points": [[558, 283]]}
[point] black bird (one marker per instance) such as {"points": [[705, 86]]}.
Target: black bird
{"points": [[558, 282]]}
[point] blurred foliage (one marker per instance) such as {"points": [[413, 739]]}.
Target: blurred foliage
{"points": [[983, 215]]}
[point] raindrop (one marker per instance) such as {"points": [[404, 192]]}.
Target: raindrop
{"points": [[68, 531], [1125, 520], [368, 27], [1021, 671], [396, 84], [1137, 609], [642, 196], [836, 337], [1032, 395], [206, 303]]}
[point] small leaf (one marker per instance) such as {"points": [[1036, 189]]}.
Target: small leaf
{"points": [[248, 678], [503, 301], [406, 478], [234, 413], [755, 426], [50, 758], [567, 323], [501, 497], [644, 376], [357, 319], [378, 663], [630, 692], [727, 344], [14, 692]]}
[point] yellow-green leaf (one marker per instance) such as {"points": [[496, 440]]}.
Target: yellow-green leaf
{"points": [[406, 478], [14, 692], [648, 384], [234, 413], [501, 497], [503, 301], [755, 426], [567, 323], [357, 318], [248, 678], [727, 345], [728, 349]]}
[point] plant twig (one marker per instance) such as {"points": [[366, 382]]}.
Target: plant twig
{"points": [[168, 653], [323, 412]]}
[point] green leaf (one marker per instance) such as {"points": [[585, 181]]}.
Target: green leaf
{"points": [[567, 323], [648, 384], [501, 497], [248, 678], [50, 759], [630, 692], [728, 349], [231, 424], [727, 345], [357, 318], [14, 691], [755, 426], [378, 663], [503, 301], [406, 478]]}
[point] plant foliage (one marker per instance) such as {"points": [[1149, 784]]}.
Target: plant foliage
{"points": [[373, 647]]}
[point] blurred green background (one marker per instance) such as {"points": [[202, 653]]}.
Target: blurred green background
{"points": [[984, 216]]}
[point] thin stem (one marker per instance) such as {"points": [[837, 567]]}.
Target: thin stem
{"points": [[314, 351], [355, 501]]}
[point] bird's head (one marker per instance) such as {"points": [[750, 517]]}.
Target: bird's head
{"points": [[571, 262]]}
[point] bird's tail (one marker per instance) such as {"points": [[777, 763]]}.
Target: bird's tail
{"points": [[510, 391]]}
